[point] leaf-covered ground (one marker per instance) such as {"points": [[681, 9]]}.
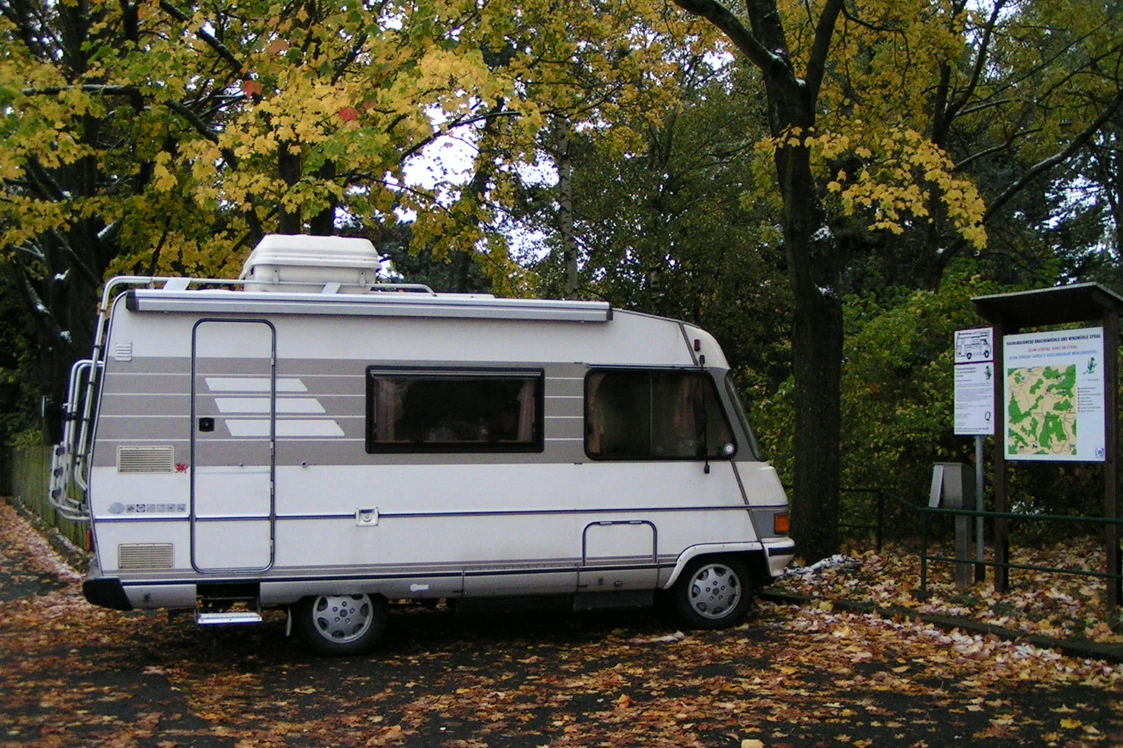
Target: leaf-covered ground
{"points": [[74, 675], [1055, 605]]}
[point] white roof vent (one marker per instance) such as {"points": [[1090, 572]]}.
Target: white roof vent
{"points": [[312, 264]]}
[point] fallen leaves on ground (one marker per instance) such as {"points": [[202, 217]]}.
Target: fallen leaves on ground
{"points": [[1055, 605], [811, 676]]}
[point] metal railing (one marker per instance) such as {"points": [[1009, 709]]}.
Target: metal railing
{"points": [[878, 525], [926, 557], [926, 514]]}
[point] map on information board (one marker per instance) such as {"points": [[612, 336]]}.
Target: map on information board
{"points": [[1054, 395], [1042, 410]]}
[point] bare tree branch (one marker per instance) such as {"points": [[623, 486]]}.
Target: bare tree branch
{"points": [[1058, 158], [42, 316], [83, 269], [820, 50], [87, 87], [980, 63], [350, 57], [222, 50], [722, 18], [42, 181]]}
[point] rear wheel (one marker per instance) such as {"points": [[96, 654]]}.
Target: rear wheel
{"points": [[713, 593], [337, 625]]}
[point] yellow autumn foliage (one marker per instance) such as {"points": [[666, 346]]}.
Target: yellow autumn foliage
{"points": [[194, 108]]}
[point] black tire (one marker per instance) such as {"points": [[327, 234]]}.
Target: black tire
{"points": [[339, 625], [713, 593]]}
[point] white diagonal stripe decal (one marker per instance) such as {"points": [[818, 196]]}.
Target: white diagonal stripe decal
{"points": [[253, 384], [260, 405], [289, 427]]}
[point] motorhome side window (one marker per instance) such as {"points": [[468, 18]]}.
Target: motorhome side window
{"points": [[633, 414], [453, 411]]}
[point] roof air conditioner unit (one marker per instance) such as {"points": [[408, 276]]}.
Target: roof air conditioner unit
{"points": [[312, 264]]}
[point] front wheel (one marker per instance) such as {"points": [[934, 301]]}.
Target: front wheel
{"points": [[338, 625], [713, 593]]}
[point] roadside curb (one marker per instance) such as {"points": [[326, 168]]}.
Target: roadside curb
{"points": [[1088, 650]]}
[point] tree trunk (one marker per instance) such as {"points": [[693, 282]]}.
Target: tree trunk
{"points": [[289, 168], [565, 211], [817, 360], [323, 223], [814, 271], [817, 339], [464, 262], [813, 255]]}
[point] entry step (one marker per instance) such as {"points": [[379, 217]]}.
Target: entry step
{"points": [[227, 618]]}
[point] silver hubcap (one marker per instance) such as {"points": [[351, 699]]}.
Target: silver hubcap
{"points": [[342, 618], [714, 591]]}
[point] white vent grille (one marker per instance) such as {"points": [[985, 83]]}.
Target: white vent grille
{"points": [[145, 459], [144, 556], [123, 352]]}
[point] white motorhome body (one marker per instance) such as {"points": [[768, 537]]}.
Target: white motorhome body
{"points": [[328, 451]]}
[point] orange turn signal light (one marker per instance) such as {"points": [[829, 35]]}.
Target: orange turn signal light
{"points": [[781, 523]]}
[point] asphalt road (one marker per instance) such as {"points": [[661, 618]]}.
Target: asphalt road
{"points": [[74, 675]]}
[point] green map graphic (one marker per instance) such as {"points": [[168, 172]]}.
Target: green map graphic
{"points": [[1041, 413]]}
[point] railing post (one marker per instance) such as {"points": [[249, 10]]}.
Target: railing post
{"points": [[880, 518], [980, 507], [923, 554]]}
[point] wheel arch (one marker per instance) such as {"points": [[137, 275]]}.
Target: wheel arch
{"points": [[751, 554]]}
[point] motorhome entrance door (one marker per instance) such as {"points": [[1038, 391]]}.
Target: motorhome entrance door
{"points": [[233, 416]]}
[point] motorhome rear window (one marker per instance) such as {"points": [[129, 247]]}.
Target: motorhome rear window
{"points": [[453, 411], [636, 414]]}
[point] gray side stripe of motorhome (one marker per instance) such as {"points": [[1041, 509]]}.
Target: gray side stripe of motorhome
{"points": [[320, 412]]}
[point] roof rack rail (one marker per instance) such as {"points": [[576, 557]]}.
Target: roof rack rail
{"points": [[403, 287]]}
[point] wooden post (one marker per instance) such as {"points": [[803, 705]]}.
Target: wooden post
{"points": [[980, 505], [1001, 524], [1111, 456]]}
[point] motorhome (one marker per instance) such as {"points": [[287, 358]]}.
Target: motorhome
{"points": [[309, 439]]}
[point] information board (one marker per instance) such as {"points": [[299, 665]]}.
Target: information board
{"points": [[974, 382], [1054, 387]]}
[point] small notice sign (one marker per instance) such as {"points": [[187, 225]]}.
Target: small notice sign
{"points": [[974, 382]]}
